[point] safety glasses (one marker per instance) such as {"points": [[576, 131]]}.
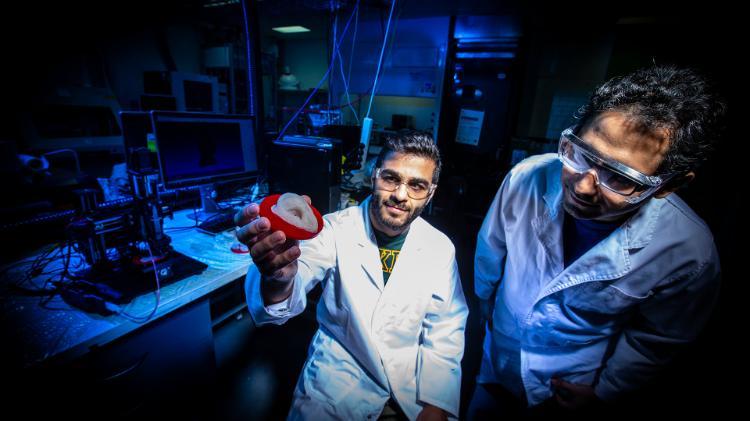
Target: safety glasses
{"points": [[389, 180], [615, 176]]}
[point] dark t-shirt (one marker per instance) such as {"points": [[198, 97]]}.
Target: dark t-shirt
{"points": [[389, 247], [580, 235]]}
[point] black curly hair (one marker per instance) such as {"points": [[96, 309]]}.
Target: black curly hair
{"points": [[665, 97], [414, 142]]}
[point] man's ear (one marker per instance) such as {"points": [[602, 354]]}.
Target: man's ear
{"points": [[429, 198], [675, 184]]}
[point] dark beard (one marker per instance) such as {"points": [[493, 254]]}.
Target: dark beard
{"points": [[375, 209]]}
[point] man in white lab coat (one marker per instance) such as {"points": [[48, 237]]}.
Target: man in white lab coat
{"points": [[590, 272], [392, 313]]}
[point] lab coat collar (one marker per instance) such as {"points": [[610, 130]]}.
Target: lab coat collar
{"points": [[553, 192], [369, 254], [610, 259], [548, 226], [639, 228]]}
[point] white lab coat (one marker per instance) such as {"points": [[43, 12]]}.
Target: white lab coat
{"points": [[611, 318], [404, 339]]}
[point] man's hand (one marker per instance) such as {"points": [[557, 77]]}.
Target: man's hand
{"points": [[432, 413], [274, 255], [573, 396]]}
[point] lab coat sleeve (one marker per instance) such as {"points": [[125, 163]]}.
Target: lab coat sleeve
{"points": [[442, 347], [668, 320], [491, 248], [316, 261]]}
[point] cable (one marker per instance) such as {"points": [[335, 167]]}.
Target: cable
{"points": [[45, 252], [380, 61], [63, 273], [57, 277], [341, 67], [351, 52], [333, 59], [325, 76], [250, 64], [137, 319], [37, 268], [346, 87]]}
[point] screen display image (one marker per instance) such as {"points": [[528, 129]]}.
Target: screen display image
{"points": [[196, 149]]}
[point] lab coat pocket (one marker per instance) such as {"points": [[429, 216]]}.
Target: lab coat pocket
{"points": [[404, 322], [404, 317], [603, 298], [587, 313], [592, 311], [328, 375]]}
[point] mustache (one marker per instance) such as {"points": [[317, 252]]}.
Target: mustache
{"points": [[393, 204], [581, 199]]}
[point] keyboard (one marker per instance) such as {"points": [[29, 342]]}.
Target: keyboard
{"points": [[218, 223]]}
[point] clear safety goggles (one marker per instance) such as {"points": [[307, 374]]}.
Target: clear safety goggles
{"points": [[389, 180], [615, 176]]}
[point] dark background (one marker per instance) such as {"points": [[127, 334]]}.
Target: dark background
{"points": [[555, 49]]}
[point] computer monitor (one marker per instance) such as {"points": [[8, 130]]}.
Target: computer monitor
{"points": [[84, 122], [200, 149], [178, 91], [136, 126], [195, 92]]}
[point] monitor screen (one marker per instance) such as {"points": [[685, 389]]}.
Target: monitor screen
{"points": [[195, 92], [91, 126], [136, 125], [195, 148]]}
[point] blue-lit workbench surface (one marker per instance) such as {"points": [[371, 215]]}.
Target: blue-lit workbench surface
{"points": [[173, 347]]}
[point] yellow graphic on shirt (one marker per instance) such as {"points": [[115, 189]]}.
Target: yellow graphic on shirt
{"points": [[388, 259]]}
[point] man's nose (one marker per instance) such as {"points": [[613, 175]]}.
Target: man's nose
{"points": [[585, 184], [400, 193]]}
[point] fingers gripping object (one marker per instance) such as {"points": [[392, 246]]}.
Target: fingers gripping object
{"points": [[291, 214]]}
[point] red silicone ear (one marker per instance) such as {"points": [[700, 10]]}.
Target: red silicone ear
{"points": [[278, 224]]}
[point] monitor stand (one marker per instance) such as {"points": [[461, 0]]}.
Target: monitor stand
{"points": [[209, 209]]}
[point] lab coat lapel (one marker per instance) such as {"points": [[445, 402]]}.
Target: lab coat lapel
{"points": [[367, 248], [605, 261], [548, 225], [406, 276], [610, 259]]}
